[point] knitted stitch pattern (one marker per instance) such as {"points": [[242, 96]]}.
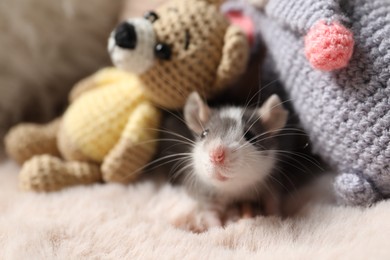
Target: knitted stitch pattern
{"points": [[109, 132], [205, 35], [346, 112]]}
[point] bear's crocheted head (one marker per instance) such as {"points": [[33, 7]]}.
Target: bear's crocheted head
{"points": [[183, 46]]}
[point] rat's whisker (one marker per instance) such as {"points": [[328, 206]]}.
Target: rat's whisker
{"points": [[172, 133], [259, 118], [258, 98], [278, 161], [177, 173], [272, 136], [173, 114], [180, 156], [166, 140], [303, 156], [270, 191], [290, 157]]}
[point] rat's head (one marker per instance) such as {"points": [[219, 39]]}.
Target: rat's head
{"points": [[183, 46], [235, 146]]}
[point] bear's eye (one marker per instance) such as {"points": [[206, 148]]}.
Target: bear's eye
{"points": [[163, 51], [151, 16]]}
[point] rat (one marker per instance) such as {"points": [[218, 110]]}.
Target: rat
{"points": [[228, 155]]}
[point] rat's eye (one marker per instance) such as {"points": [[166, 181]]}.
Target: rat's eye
{"points": [[151, 16], [163, 51], [204, 134], [250, 137]]}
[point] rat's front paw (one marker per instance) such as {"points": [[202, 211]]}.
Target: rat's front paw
{"points": [[242, 210], [199, 221]]}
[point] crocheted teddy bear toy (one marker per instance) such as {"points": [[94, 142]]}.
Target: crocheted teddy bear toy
{"points": [[109, 130], [333, 57]]}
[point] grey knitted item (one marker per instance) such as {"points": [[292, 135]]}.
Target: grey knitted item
{"points": [[346, 112]]}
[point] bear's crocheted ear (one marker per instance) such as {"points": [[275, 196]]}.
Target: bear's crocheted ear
{"points": [[244, 22], [245, 16], [328, 43], [235, 56]]}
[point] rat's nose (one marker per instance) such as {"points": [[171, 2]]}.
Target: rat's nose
{"points": [[217, 155], [126, 36]]}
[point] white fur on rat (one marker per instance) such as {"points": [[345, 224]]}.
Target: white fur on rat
{"points": [[233, 154]]}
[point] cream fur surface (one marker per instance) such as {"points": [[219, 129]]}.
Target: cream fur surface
{"points": [[45, 47], [117, 222]]}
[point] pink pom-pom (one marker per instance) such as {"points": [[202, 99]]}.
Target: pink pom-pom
{"points": [[329, 46]]}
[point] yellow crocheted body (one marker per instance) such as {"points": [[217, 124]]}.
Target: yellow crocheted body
{"points": [[96, 120]]}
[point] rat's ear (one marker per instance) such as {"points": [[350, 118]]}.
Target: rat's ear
{"points": [[273, 115], [196, 113], [235, 55]]}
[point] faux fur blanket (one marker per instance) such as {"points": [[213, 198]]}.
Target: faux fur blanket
{"points": [[132, 222]]}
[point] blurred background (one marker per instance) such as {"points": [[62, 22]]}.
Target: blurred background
{"points": [[46, 46]]}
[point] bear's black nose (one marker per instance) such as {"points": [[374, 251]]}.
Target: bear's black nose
{"points": [[125, 36]]}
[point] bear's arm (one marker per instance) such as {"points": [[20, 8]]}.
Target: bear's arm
{"points": [[136, 147], [102, 78]]}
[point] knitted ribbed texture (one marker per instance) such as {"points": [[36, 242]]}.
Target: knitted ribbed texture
{"points": [[125, 162], [300, 15], [26, 140], [345, 112], [95, 121], [249, 12], [235, 57], [210, 57], [104, 77], [48, 173], [328, 44]]}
